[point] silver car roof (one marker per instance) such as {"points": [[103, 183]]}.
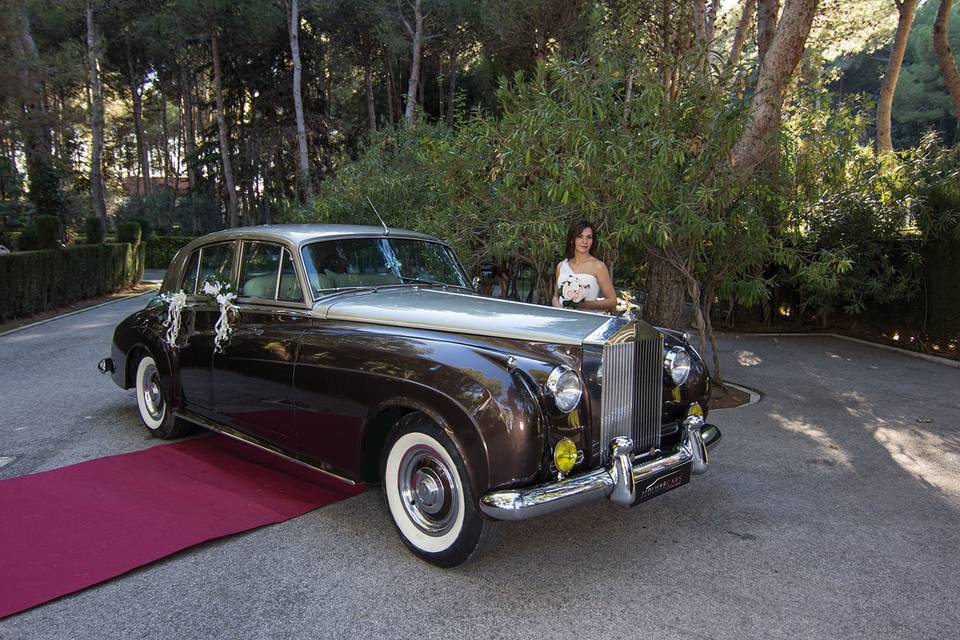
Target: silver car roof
{"points": [[298, 234]]}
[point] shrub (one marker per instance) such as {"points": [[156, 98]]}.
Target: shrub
{"points": [[129, 232], [48, 230], [34, 281], [160, 250], [93, 230], [146, 229], [27, 240]]}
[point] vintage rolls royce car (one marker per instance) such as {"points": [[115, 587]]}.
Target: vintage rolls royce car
{"points": [[365, 352]]}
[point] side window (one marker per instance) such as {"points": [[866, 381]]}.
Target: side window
{"points": [[216, 263], [189, 283], [290, 290], [259, 265]]}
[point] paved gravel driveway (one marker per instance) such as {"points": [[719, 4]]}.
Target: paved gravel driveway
{"points": [[831, 510]]}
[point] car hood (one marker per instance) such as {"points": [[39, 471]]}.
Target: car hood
{"points": [[440, 310]]}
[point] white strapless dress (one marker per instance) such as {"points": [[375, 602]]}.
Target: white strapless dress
{"points": [[585, 279]]}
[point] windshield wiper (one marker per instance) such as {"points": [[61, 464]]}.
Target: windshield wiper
{"points": [[409, 280]]}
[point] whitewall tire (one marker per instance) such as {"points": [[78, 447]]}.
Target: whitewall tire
{"points": [[428, 494], [153, 405]]}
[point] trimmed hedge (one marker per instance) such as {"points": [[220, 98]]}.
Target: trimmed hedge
{"points": [[94, 231], [161, 249], [129, 232], [942, 258], [35, 281]]}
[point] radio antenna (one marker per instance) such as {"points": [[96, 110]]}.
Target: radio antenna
{"points": [[386, 231]]}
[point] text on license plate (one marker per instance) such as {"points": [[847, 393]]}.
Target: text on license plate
{"points": [[647, 489]]}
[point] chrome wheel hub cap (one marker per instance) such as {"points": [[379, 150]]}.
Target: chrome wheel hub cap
{"points": [[152, 397], [428, 491]]}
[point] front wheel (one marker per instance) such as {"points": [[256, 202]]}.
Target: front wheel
{"points": [[155, 411], [428, 493]]}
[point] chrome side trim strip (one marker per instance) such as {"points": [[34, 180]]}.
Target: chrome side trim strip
{"points": [[230, 432], [612, 482]]}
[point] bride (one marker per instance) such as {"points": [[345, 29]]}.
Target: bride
{"points": [[582, 263]]}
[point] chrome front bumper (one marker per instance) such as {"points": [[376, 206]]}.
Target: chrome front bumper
{"points": [[618, 481]]}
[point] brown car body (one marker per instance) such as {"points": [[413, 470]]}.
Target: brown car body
{"points": [[325, 380]]}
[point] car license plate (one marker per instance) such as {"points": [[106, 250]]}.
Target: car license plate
{"points": [[654, 487]]}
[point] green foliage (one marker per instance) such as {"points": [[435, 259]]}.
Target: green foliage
{"points": [[160, 250], [129, 232], [45, 189], [145, 227], [93, 230], [942, 289], [392, 173], [921, 97], [166, 213], [48, 231], [35, 281], [27, 240]]}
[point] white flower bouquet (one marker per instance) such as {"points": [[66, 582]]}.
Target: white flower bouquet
{"points": [[572, 292]]}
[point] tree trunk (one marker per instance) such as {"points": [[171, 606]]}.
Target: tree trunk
{"points": [[165, 145], [143, 153], [948, 64], [710, 25], [59, 146], [740, 37], [371, 105], [768, 12], [452, 88], [43, 177], [885, 102], [663, 305], [189, 131], [700, 22], [97, 187], [228, 183], [416, 33], [781, 59], [390, 92], [714, 347], [303, 157], [666, 69], [181, 137]]}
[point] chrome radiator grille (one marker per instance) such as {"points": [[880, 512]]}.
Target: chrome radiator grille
{"points": [[631, 396]]}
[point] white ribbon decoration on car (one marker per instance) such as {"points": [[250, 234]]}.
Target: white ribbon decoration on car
{"points": [[225, 302], [175, 303]]}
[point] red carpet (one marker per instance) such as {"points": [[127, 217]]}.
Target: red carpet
{"points": [[67, 529]]}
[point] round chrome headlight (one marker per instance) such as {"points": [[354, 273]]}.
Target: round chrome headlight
{"points": [[676, 362], [564, 385]]}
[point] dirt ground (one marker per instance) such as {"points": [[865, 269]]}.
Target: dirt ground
{"points": [[726, 397]]}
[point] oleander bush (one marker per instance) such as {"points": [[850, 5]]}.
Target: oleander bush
{"points": [[35, 281]]}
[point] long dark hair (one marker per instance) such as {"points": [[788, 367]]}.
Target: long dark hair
{"points": [[575, 230]]}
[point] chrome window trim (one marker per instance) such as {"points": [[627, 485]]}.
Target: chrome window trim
{"points": [[306, 302], [315, 296]]}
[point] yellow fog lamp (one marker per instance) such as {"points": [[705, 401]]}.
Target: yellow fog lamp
{"points": [[695, 410], [565, 455]]}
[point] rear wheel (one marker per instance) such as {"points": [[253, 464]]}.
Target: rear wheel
{"points": [[429, 496], [152, 401]]}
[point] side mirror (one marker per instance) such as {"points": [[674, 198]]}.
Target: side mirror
{"points": [[476, 283]]}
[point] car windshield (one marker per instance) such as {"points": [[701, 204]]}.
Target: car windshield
{"points": [[374, 262]]}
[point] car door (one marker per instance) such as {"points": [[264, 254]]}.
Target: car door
{"points": [[213, 262], [253, 374]]}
